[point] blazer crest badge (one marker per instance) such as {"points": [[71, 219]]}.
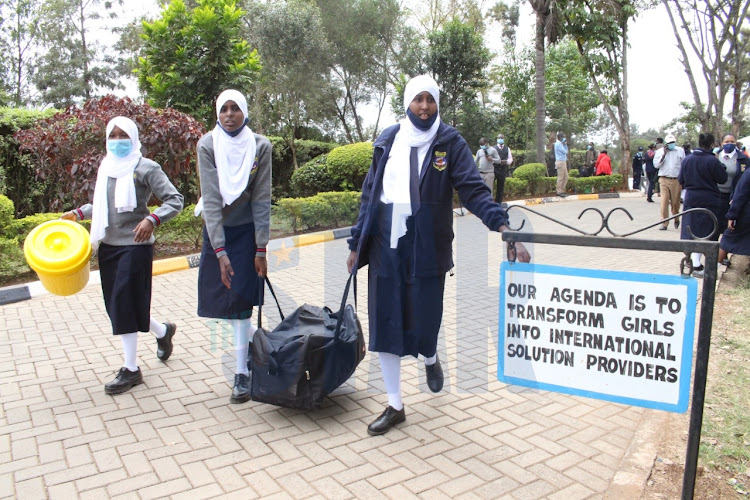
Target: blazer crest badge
{"points": [[440, 160]]}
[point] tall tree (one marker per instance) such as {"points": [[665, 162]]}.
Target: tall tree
{"points": [[19, 30], [515, 79], [569, 95], [293, 49], [600, 30], [459, 61], [711, 31], [546, 28], [74, 66], [190, 56]]}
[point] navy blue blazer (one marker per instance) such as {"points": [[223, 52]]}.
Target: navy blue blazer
{"points": [[448, 164]]}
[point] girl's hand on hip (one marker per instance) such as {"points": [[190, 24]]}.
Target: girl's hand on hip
{"points": [[226, 271], [143, 231]]}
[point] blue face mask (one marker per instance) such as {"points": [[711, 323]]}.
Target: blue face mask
{"points": [[729, 148], [716, 150], [501, 141], [119, 147], [588, 147], [563, 140], [483, 146], [671, 146]]}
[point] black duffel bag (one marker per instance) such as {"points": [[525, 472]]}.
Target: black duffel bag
{"points": [[309, 355]]}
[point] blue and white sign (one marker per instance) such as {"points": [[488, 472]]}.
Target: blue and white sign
{"points": [[617, 336]]}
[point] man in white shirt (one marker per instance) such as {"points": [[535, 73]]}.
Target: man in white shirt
{"points": [[668, 161], [501, 166]]}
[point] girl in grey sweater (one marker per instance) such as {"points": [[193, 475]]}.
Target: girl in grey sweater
{"points": [[122, 229], [235, 174]]}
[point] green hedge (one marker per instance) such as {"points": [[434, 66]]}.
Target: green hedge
{"points": [[312, 178], [324, 210], [283, 164], [349, 164]]}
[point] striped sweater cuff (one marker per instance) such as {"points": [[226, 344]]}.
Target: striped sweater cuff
{"points": [[79, 213], [156, 219]]}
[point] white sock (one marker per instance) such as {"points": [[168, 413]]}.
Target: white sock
{"points": [[390, 366], [431, 360], [130, 350], [158, 329], [696, 259], [241, 344]]}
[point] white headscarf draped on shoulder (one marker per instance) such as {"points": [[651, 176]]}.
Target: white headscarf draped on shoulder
{"points": [[396, 175], [121, 169], [234, 156]]}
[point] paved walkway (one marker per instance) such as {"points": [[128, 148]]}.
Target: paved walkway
{"points": [[177, 435]]}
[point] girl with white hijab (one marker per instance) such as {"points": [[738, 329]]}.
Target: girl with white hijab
{"points": [[405, 232], [122, 229], [235, 174]]}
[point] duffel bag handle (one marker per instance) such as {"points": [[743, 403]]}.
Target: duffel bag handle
{"points": [[337, 332], [261, 295]]}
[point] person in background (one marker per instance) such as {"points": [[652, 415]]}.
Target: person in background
{"points": [[235, 178], [404, 234], [589, 161], [122, 235], [638, 168], [668, 160], [561, 164], [736, 238], [701, 174], [603, 164], [735, 162], [688, 148], [502, 167], [486, 159], [651, 172]]}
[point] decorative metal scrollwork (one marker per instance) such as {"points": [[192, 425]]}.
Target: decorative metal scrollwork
{"points": [[605, 221]]}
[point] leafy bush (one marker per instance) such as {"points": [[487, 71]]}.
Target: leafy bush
{"points": [[574, 173], [20, 228], [312, 178], [283, 164], [349, 164], [69, 146], [583, 185], [17, 171], [532, 174], [7, 213], [319, 211], [184, 227], [514, 188], [12, 262]]}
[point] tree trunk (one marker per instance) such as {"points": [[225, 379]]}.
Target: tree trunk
{"points": [[539, 82], [623, 111], [86, 75]]}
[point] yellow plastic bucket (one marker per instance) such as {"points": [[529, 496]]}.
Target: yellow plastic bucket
{"points": [[59, 252]]}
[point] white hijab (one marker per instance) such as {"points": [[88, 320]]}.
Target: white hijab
{"points": [[396, 175], [234, 156], [121, 169]]}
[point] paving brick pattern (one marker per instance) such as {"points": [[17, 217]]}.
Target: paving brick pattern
{"points": [[177, 435]]}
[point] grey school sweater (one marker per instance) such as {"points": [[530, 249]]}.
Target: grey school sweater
{"points": [[253, 205], [149, 179]]}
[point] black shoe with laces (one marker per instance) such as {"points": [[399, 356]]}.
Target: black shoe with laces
{"points": [[386, 420], [124, 381], [241, 389], [164, 345]]}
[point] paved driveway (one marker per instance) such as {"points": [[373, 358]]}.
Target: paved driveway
{"points": [[177, 435]]}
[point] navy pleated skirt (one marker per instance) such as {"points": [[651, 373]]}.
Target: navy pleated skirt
{"points": [[699, 223], [126, 283], [405, 311], [214, 299]]}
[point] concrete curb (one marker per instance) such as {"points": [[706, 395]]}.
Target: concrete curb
{"points": [[19, 293]]}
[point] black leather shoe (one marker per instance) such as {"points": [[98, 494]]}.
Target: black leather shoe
{"points": [[384, 422], [650, 200], [124, 380], [663, 228], [676, 224], [241, 389], [434, 376], [164, 345]]}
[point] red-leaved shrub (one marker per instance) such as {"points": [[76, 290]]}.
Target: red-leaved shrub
{"points": [[69, 146]]}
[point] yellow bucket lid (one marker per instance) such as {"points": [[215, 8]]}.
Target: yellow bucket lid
{"points": [[57, 247]]}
